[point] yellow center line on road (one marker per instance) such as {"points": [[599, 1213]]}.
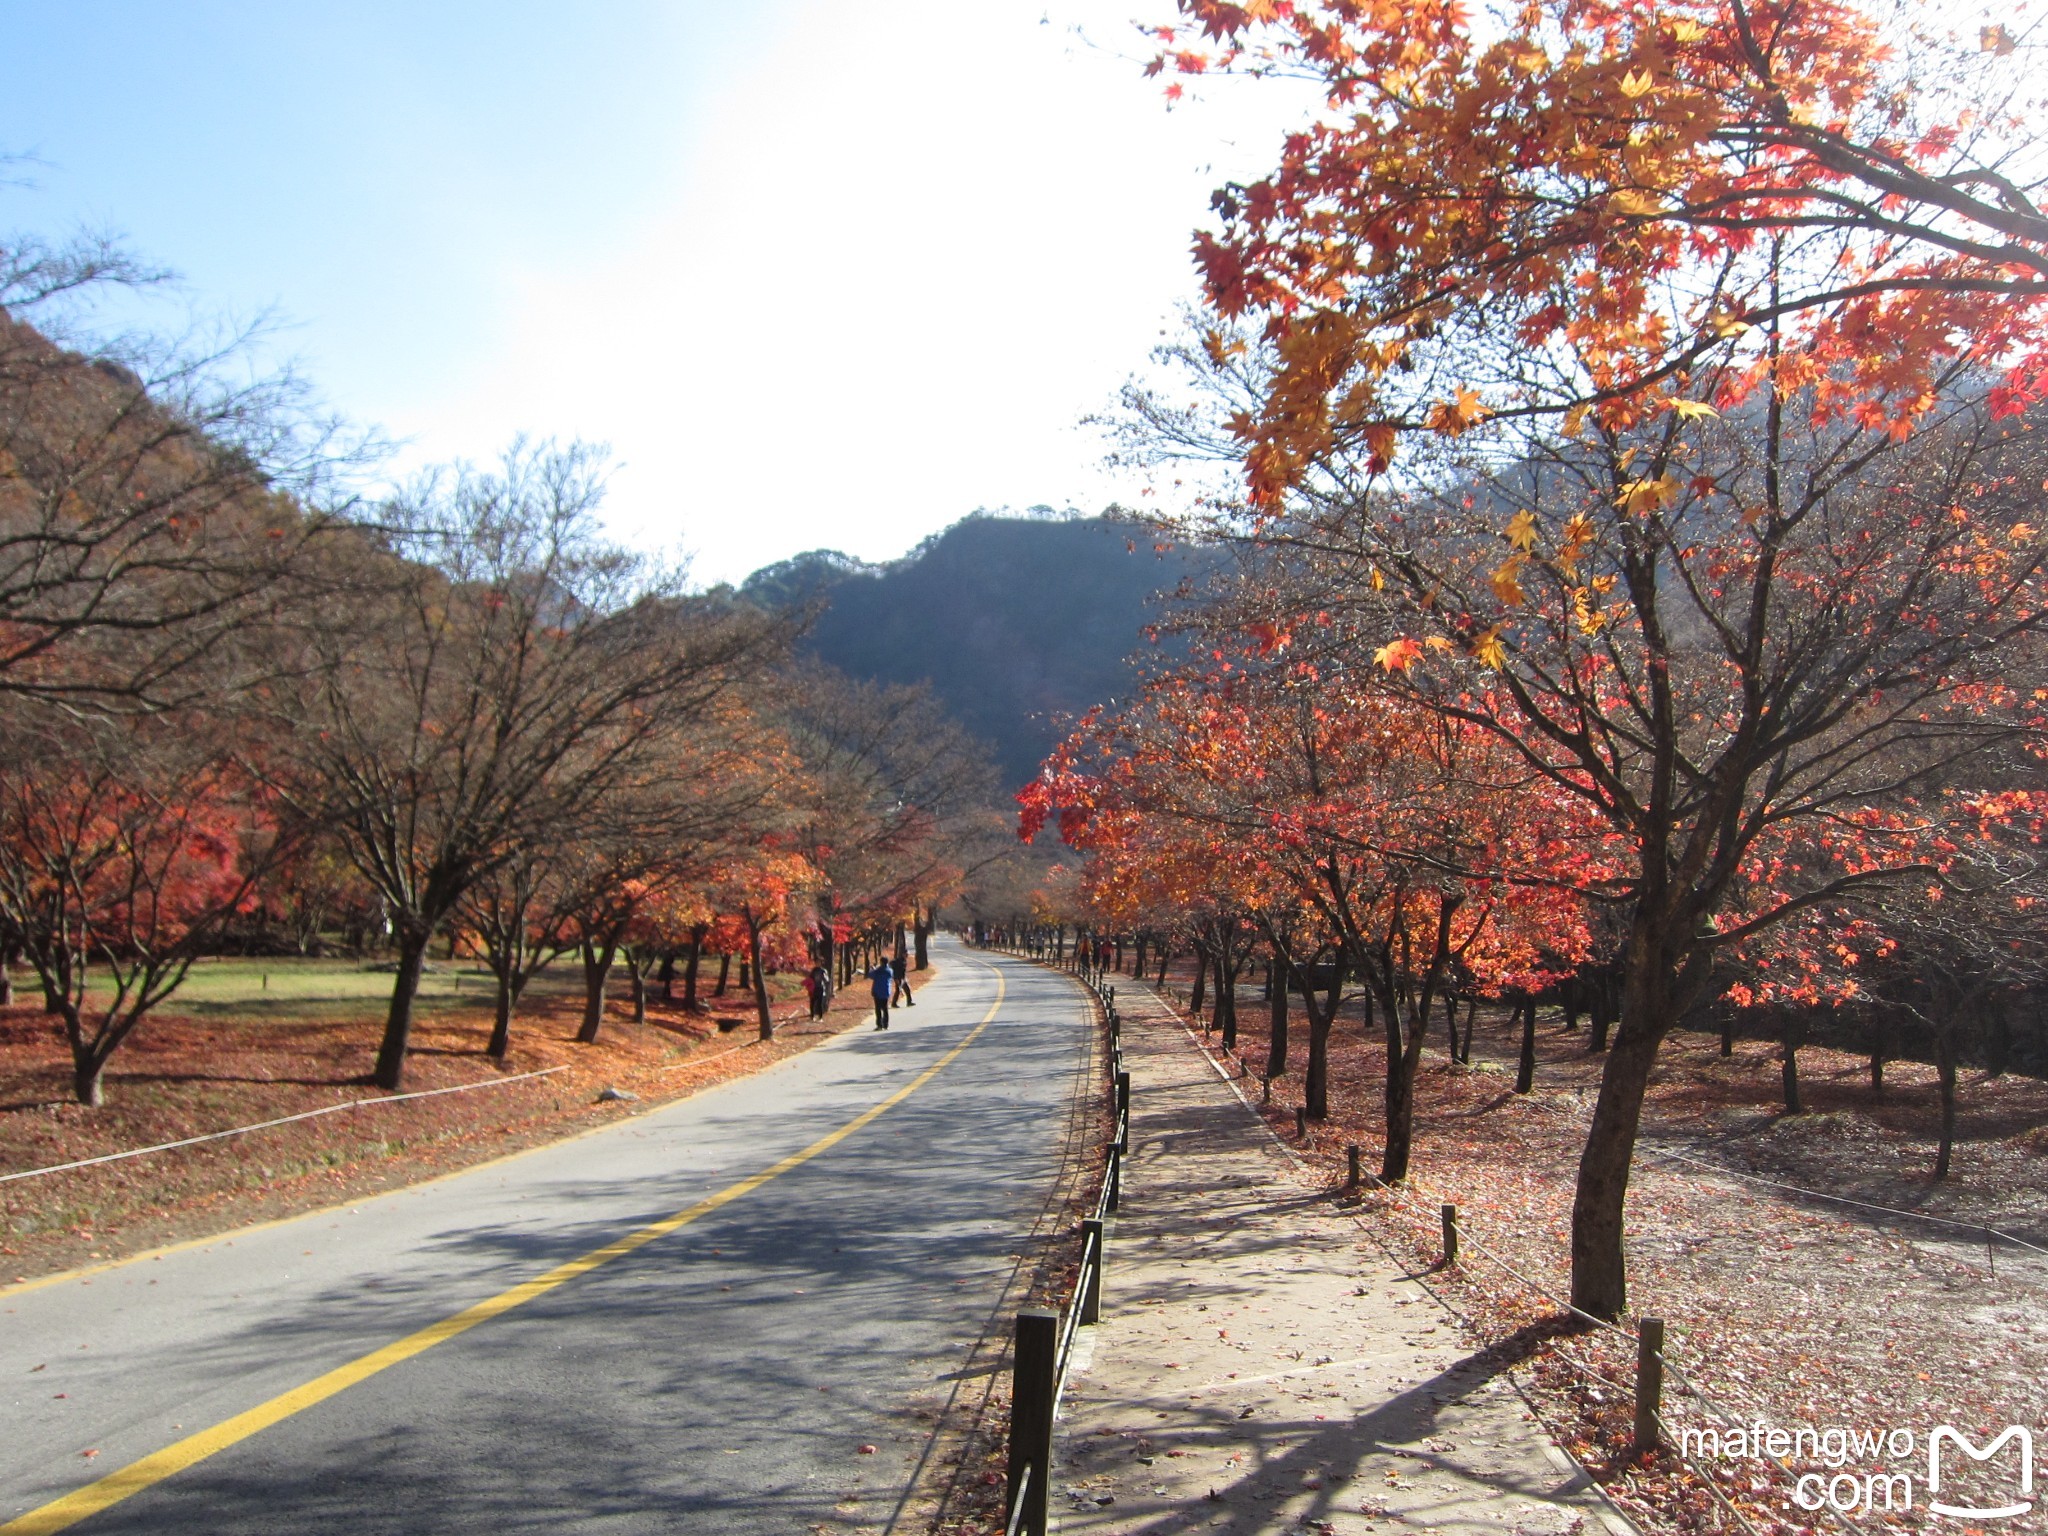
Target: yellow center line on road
{"points": [[62, 1514]]}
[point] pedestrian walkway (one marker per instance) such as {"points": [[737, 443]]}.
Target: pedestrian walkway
{"points": [[1262, 1368]]}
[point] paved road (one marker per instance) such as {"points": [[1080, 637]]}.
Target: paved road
{"points": [[719, 1377]]}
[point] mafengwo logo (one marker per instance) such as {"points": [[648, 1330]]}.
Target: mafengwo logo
{"points": [[1945, 1436], [1880, 1471]]}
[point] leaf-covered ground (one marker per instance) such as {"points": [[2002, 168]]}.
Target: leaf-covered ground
{"points": [[237, 1048], [1780, 1307]]}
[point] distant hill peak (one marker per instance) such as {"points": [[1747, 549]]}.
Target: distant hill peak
{"points": [[1019, 622], [803, 577]]}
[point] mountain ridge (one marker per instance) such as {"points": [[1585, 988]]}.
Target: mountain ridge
{"points": [[1017, 623]]}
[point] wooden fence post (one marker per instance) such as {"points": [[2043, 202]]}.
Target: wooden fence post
{"points": [[1450, 1235], [1649, 1382], [1352, 1183], [1090, 1299], [1033, 1370]]}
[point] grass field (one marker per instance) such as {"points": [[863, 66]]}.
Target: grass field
{"points": [[321, 991]]}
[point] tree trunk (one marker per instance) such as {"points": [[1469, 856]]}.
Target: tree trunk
{"points": [[1945, 1070], [87, 1071], [1276, 1039], [1198, 993], [6, 984], [1226, 1000], [1879, 1045], [767, 1020], [405, 986], [1997, 1041], [1788, 1066], [1315, 1078], [724, 971], [1525, 1068], [639, 984], [597, 970], [1404, 1056], [1165, 955], [1727, 1030], [923, 930], [1471, 1018], [690, 1004], [1603, 1020], [668, 976], [1599, 1259], [501, 1016]]}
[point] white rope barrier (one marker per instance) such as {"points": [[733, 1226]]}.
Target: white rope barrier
{"points": [[1865, 1205], [264, 1125]]}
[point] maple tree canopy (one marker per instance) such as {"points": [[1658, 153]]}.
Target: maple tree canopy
{"points": [[1605, 207]]}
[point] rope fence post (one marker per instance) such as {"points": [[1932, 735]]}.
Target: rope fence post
{"points": [[1649, 1382], [1352, 1152], [1450, 1214], [1034, 1371], [1091, 1270], [1301, 1122]]}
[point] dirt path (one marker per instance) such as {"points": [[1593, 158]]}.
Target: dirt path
{"points": [[1262, 1368]]}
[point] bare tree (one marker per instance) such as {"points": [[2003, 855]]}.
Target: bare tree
{"points": [[494, 675], [903, 798], [154, 493]]}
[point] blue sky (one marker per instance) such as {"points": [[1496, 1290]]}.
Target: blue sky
{"points": [[822, 273]]}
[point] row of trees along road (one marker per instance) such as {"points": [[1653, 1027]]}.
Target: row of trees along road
{"points": [[1642, 504], [240, 707]]}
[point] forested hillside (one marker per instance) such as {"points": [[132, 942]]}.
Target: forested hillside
{"points": [[1017, 622]]}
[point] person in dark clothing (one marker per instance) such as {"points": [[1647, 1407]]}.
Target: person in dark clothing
{"points": [[903, 998], [881, 981], [818, 987]]}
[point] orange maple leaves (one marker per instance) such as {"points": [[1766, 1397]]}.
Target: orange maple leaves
{"points": [[1649, 200]]}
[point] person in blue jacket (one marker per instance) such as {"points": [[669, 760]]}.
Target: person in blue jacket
{"points": [[882, 981]]}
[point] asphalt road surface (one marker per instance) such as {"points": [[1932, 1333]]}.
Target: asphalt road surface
{"points": [[632, 1331]]}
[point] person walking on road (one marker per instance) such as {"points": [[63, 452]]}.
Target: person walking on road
{"points": [[881, 981], [903, 998]]}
